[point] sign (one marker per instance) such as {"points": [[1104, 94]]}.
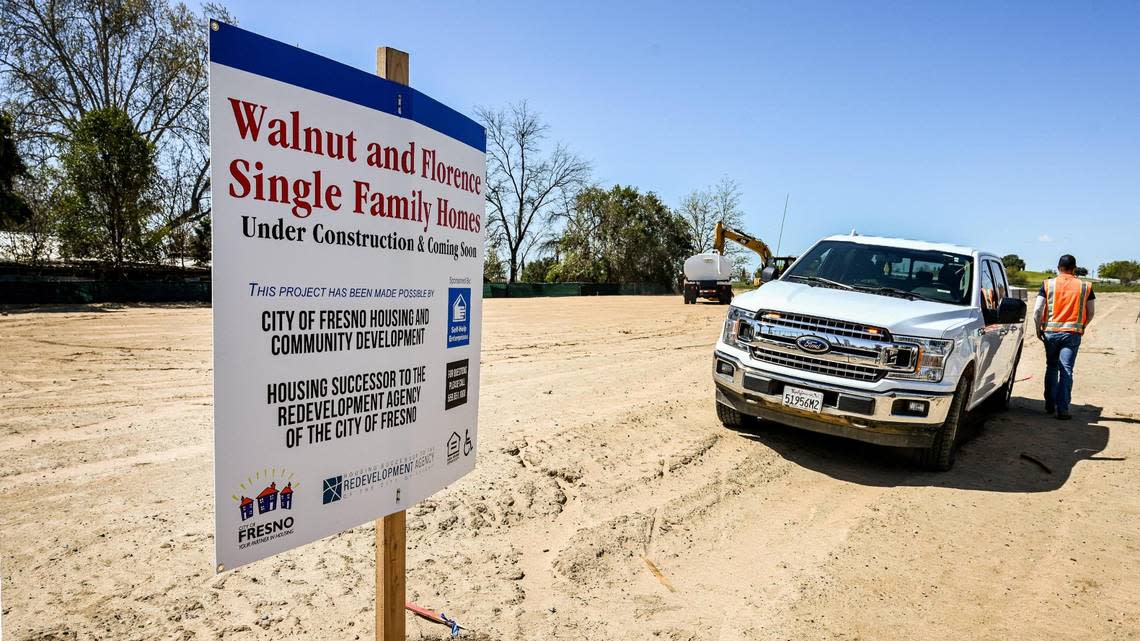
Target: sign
{"points": [[348, 227]]}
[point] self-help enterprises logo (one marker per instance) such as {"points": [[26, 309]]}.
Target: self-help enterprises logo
{"points": [[265, 504], [458, 316], [368, 479]]}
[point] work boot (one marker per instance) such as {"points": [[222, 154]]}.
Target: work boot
{"points": [[1049, 409], [1064, 416]]}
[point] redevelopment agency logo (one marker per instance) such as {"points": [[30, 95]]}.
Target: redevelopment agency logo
{"points": [[456, 384], [267, 514], [367, 479], [333, 489], [458, 314]]}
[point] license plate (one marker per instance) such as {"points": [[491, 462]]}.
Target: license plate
{"points": [[802, 399]]}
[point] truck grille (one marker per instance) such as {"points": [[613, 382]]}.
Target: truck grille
{"points": [[807, 363], [815, 325]]}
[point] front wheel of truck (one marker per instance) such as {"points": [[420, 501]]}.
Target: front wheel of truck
{"points": [[729, 416], [940, 455]]}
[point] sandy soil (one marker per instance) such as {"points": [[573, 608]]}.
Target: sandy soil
{"points": [[599, 449]]}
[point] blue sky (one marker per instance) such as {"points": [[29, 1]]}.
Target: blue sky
{"points": [[1011, 126]]}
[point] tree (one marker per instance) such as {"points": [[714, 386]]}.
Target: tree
{"points": [[200, 242], [13, 209], [536, 270], [109, 170], [702, 209], [524, 187], [622, 236], [35, 238], [62, 59], [1126, 271], [493, 269], [1081, 271], [1013, 263]]}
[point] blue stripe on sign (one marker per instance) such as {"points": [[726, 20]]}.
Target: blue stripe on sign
{"points": [[263, 56]]}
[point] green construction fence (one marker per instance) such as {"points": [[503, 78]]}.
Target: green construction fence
{"points": [[45, 292]]}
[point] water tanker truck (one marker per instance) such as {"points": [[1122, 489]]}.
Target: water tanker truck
{"points": [[709, 274]]}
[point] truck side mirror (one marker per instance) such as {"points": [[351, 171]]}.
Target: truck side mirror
{"points": [[769, 274], [1011, 311]]}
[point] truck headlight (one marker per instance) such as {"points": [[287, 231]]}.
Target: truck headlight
{"points": [[734, 324], [931, 361]]}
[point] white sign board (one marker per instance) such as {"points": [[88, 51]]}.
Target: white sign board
{"points": [[348, 259]]}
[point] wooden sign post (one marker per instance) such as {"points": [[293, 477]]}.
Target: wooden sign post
{"points": [[391, 532]]}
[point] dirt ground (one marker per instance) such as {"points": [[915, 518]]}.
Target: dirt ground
{"points": [[599, 448]]}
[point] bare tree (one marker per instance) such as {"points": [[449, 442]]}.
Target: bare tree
{"points": [[702, 209], [60, 59], [524, 187], [696, 209]]}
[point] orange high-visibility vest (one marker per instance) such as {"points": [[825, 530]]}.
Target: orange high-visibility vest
{"points": [[1066, 304]]}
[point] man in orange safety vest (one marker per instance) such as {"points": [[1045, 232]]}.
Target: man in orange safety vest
{"points": [[1062, 313]]}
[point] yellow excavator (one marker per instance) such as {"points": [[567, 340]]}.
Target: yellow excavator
{"points": [[723, 233], [709, 275]]}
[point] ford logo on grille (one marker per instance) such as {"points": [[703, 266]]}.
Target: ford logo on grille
{"points": [[813, 344]]}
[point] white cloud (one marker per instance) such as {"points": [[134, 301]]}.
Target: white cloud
{"points": [[1045, 238]]}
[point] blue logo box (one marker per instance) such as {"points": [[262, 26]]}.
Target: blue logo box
{"points": [[458, 316]]}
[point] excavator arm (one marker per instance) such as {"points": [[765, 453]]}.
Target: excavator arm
{"points": [[755, 244]]}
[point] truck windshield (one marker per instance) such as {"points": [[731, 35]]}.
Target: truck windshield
{"points": [[890, 271]]}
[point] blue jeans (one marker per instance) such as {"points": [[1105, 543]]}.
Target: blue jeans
{"points": [[1060, 357]]}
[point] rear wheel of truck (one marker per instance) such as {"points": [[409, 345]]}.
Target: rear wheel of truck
{"points": [[729, 417], [725, 296], [940, 455]]}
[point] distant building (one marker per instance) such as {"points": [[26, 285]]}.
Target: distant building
{"points": [[267, 500]]}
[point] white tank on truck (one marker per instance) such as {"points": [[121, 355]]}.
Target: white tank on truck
{"points": [[709, 275], [708, 266]]}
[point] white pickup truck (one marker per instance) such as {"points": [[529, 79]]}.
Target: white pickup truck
{"points": [[883, 340]]}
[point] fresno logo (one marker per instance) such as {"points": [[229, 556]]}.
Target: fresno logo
{"points": [[813, 344], [273, 501]]}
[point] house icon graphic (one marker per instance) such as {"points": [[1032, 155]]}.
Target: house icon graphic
{"points": [[459, 309], [246, 507], [453, 448], [267, 500]]}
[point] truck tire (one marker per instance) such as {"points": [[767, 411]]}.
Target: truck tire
{"points": [[725, 296], [729, 417], [999, 400], [939, 457]]}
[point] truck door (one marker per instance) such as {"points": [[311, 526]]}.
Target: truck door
{"points": [[1010, 334], [990, 372]]}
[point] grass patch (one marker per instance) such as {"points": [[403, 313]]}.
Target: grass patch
{"points": [[1032, 281], [1108, 288], [1027, 279]]}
